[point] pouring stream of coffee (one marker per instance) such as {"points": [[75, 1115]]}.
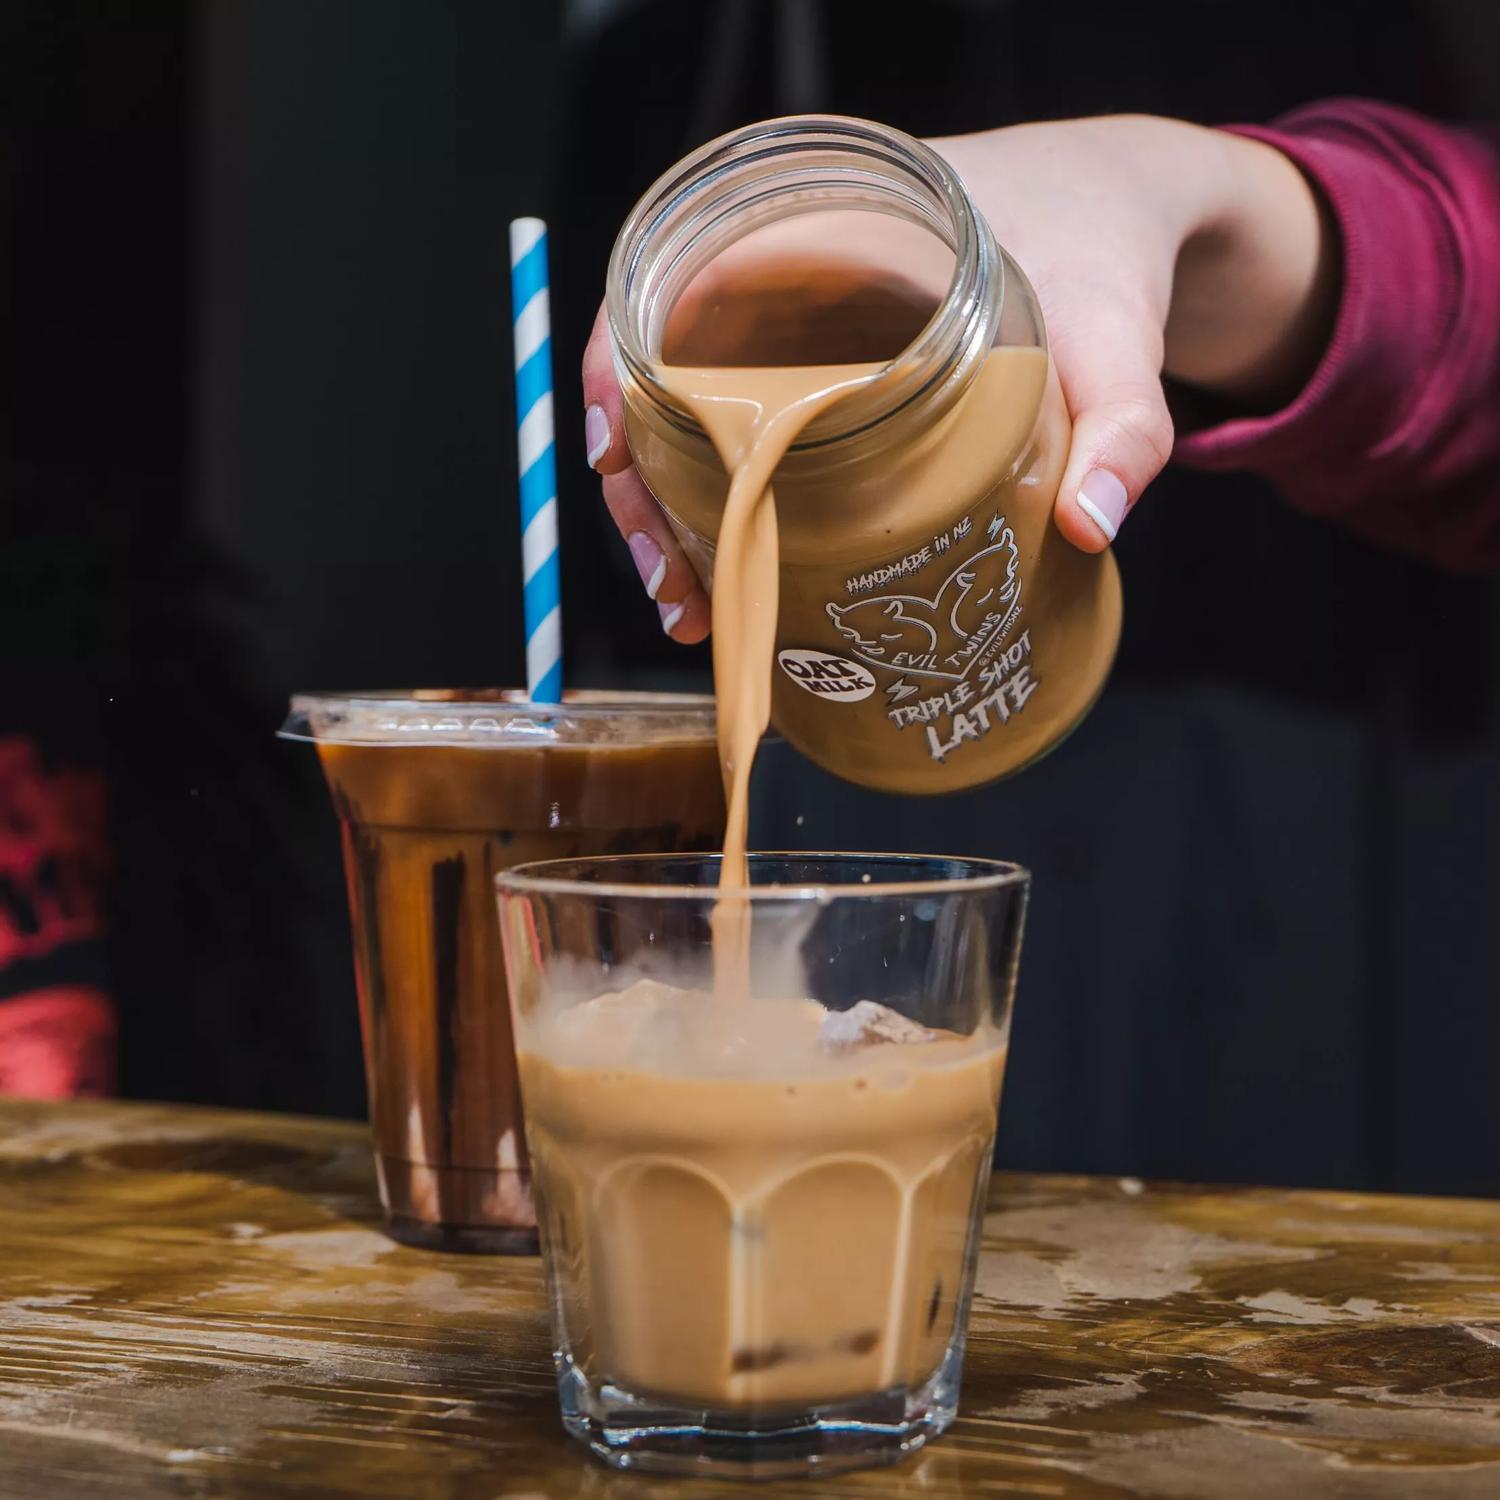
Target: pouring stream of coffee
{"points": [[752, 416]]}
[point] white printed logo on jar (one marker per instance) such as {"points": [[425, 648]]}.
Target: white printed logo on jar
{"points": [[934, 643]]}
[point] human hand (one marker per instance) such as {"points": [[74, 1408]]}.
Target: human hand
{"points": [[1152, 245], [669, 578]]}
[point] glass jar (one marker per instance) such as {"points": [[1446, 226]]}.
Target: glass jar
{"points": [[936, 630]]}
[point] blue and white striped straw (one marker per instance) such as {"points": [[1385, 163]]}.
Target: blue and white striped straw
{"points": [[537, 455]]}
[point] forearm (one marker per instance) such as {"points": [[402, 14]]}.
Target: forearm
{"points": [[1246, 247], [1396, 431]]}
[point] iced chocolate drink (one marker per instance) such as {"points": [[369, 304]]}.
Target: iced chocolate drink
{"points": [[435, 794]]}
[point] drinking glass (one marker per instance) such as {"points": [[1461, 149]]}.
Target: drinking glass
{"points": [[760, 1194]]}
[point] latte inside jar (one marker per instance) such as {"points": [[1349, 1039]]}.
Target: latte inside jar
{"points": [[935, 630]]}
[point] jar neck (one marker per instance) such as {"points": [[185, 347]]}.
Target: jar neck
{"points": [[781, 169]]}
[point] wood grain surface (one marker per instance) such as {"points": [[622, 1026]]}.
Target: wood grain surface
{"points": [[197, 1303]]}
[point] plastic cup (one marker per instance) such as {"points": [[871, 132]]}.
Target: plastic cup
{"points": [[437, 791]]}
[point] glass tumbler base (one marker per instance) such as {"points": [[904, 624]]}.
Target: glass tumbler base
{"points": [[648, 1434]]}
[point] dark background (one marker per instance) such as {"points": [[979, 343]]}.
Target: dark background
{"points": [[257, 436]]}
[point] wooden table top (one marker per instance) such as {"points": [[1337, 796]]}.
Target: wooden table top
{"points": [[197, 1303]]}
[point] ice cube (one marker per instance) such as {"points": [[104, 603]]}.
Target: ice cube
{"points": [[615, 1026], [868, 1024]]}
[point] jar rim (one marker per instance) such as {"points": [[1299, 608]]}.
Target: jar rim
{"points": [[694, 196]]}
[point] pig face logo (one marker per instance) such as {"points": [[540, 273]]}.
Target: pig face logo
{"points": [[881, 629], [940, 636]]}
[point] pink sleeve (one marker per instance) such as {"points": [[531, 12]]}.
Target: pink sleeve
{"points": [[1397, 433]]}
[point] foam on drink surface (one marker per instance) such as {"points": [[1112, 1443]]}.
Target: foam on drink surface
{"points": [[661, 1028]]}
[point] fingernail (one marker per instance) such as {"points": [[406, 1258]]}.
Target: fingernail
{"points": [[596, 433], [1102, 498], [649, 561], [670, 614]]}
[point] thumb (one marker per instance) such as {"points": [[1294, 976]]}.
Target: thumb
{"points": [[1122, 430]]}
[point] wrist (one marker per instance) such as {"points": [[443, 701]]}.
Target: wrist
{"points": [[1257, 277], [1180, 168]]}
